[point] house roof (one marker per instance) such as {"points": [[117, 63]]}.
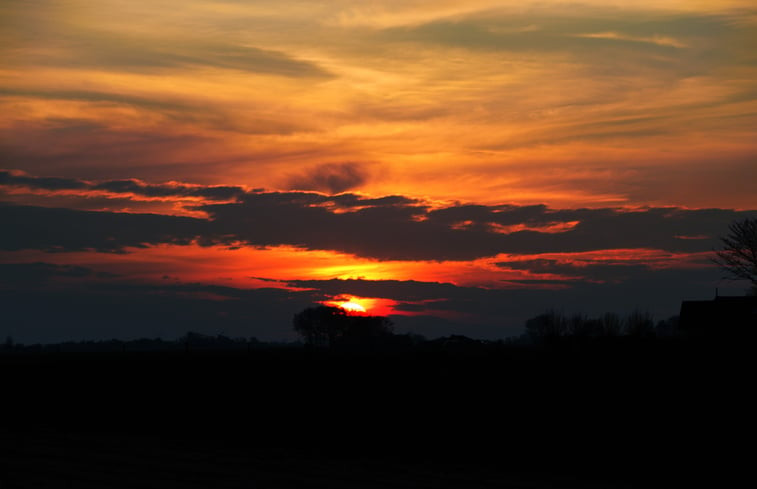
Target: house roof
{"points": [[724, 313]]}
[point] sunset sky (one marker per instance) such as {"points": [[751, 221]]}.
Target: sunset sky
{"points": [[218, 166]]}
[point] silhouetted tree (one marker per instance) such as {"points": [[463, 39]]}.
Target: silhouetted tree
{"points": [[547, 327], [611, 324], [738, 257], [552, 326], [667, 327], [640, 324], [332, 326], [366, 327], [320, 325], [580, 326], [366, 331]]}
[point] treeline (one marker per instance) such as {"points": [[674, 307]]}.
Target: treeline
{"points": [[191, 341], [554, 326], [329, 328]]}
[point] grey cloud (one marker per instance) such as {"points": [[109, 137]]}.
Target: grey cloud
{"points": [[80, 46], [399, 290], [46, 183], [173, 108], [603, 271], [15, 274], [388, 228], [86, 201], [330, 177], [146, 55], [534, 31], [170, 190], [353, 200], [128, 186], [92, 96], [395, 232], [28, 227], [638, 40]]}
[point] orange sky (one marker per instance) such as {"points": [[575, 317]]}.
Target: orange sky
{"points": [[570, 104], [589, 104]]}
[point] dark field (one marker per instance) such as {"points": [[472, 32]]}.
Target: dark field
{"points": [[658, 414]]}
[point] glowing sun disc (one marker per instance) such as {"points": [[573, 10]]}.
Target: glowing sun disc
{"points": [[352, 307]]}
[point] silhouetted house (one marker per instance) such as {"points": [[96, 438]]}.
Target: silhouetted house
{"points": [[720, 317]]}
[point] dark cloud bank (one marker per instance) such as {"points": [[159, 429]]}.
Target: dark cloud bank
{"points": [[386, 228], [45, 302], [126, 186]]}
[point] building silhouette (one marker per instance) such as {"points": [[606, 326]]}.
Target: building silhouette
{"points": [[724, 316]]}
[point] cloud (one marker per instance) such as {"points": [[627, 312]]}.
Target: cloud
{"points": [[132, 54], [137, 187], [603, 42], [94, 96], [37, 273], [413, 232], [130, 186], [333, 178], [393, 227], [389, 228], [497, 100], [561, 31], [600, 270], [29, 227], [8, 178], [72, 44], [411, 291]]}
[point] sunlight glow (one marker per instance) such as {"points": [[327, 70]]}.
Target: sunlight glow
{"points": [[352, 307]]}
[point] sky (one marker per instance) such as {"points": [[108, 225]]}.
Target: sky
{"points": [[458, 166]]}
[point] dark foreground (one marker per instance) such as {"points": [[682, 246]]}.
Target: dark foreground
{"points": [[645, 415]]}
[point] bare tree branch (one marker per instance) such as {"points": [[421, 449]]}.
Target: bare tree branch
{"points": [[738, 256]]}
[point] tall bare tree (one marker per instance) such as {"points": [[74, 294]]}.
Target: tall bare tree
{"points": [[738, 257]]}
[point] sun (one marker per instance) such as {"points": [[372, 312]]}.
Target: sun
{"points": [[352, 307]]}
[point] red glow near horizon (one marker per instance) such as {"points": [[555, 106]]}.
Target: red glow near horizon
{"points": [[371, 306]]}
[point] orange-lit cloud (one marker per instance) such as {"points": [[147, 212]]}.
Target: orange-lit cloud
{"points": [[571, 105], [281, 266]]}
